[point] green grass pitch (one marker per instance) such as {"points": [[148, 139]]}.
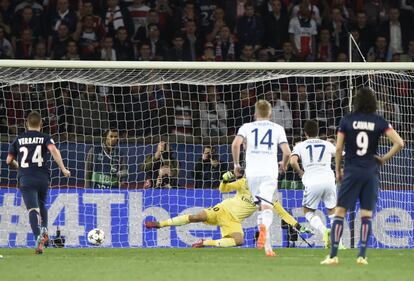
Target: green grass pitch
{"points": [[200, 264]]}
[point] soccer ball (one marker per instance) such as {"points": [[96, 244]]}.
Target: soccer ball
{"points": [[96, 236]]}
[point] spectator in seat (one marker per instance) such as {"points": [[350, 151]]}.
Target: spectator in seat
{"points": [[71, 51], [339, 30], [281, 112], [88, 40], [314, 10], [366, 32], [359, 48], [88, 10], [6, 49], [342, 57], [107, 51], [153, 163], [138, 11], [36, 7], [225, 47], [276, 26], [25, 46], [325, 108], [40, 51], [263, 55], [288, 54], [409, 56], [144, 52], [165, 178], [208, 53], [301, 109], [177, 52], [58, 42], [106, 166], [24, 21], [302, 31], [141, 34], [218, 22], [183, 15], [115, 17], [65, 113], [123, 46], [380, 52], [91, 114], [63, 15], [395, 32], [6, 16], [247, 53], [249, 28], [193, 44], [158, 46], [325, 50], [213, 115], [208, 169], [206, 10]]}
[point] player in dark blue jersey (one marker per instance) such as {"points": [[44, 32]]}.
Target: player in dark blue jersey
{"points": [[28, 154], [359, 132]]}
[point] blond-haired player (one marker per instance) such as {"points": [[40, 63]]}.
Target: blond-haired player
{"points": [[261, 140], [228, 214]]}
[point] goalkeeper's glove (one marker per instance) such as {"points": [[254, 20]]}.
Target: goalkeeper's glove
{"points": [[228, 177]]}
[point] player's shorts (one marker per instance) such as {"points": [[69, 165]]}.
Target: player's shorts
{"points": [[262, 188], [34, 191], [219, 215], [357, 184], [317, 192]]}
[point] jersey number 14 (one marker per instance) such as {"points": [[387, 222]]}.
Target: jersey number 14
{"points": [[266, 139]]}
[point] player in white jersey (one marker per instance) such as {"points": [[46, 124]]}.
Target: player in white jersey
{"points": [[261, 140], [318, 177]]}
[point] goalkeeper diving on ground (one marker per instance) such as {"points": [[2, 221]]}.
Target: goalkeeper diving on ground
{"points": [[228, 215]]}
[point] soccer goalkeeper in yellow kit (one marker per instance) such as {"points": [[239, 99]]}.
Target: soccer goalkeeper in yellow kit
{"points": [[228, 214]]}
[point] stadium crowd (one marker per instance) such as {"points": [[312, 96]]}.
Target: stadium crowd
{"points": [[207, 30]]}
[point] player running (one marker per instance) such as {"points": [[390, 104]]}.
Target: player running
{"points": [[360, 132], [261, 139], [318, 177], [30, 149], [228, 214]]}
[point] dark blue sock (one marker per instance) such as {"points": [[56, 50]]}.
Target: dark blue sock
{"points": [[366, 227], [43, 215], [34, 220], [336, 234]]}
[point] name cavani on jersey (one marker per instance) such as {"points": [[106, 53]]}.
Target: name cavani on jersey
{"points": [[363, 125]]}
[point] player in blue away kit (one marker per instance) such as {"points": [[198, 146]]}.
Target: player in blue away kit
{"points": [[30, 150], [360, 132]]}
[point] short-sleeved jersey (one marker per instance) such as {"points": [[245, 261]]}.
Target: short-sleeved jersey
{"points": [[316, 156], [30, 149], [242, 205], [362, 133], [261, 140]]}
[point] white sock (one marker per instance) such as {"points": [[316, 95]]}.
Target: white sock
{"points": [[331, 217], [268, 243], [316, 222], [267, 219], [259, 218]]}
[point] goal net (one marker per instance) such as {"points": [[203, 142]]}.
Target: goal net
{"points": [[151, 140]]}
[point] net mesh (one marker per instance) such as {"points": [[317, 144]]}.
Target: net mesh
{"points": [[137, 143]]}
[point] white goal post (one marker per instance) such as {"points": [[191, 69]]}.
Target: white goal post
{"points": [[190, 106]]}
